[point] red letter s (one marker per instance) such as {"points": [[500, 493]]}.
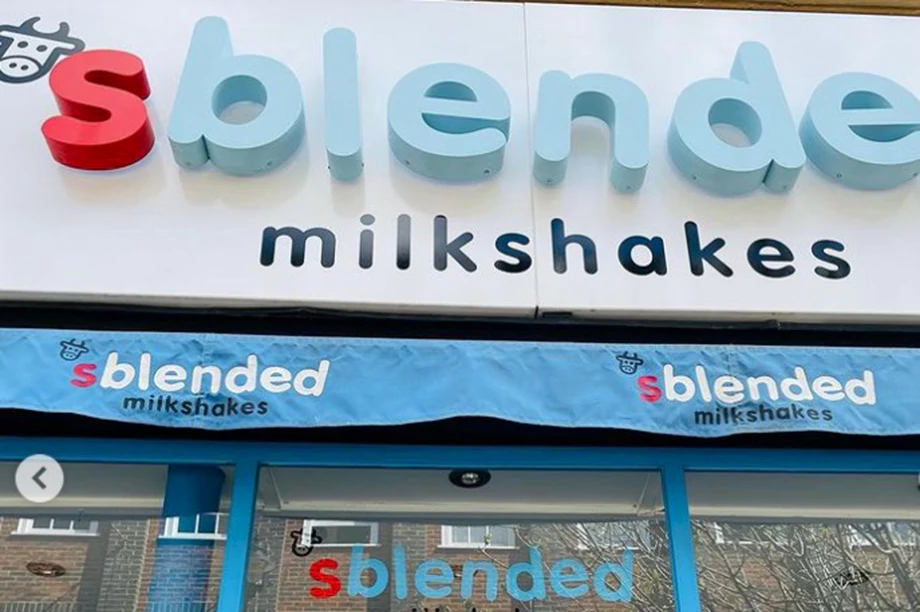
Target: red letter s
{"points": [[103, 123], [316, 573], [650, 392], [84, 375]]}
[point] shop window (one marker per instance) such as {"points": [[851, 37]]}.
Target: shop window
{"points": [[99, 546], [210, 526], [412, 540], [806, 541], [56, 526], [339, 533], [481, 536]]}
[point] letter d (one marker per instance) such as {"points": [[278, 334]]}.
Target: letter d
{"points": [[623, 572], [112, 367], [862, 392], [213, 80], [752, 100]]}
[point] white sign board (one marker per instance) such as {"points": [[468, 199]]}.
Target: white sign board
{"points": [[156, 233]]}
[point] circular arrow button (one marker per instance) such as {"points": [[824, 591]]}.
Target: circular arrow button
{"points": [[39, 479]]}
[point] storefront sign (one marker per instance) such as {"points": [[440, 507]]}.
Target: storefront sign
{"points": [[450, 122], [396, 165], [237, 382], [368, 577]]}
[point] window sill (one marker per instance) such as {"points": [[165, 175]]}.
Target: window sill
{"points": [[344, 546], [50, 535], [474, 547]]}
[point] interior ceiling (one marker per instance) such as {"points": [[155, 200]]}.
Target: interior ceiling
{"points": [[805, 496], [97, 489], [374, 494], [332, 493]]}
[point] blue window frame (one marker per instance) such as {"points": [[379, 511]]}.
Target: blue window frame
{"points": [[247, 458]]}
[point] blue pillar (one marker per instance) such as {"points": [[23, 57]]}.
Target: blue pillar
{"points": [[182, 567], [680, 534]]}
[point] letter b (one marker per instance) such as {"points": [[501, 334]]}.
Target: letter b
{"points": [[358, 565], [752, 100], [213, 80], [124, 371], [672, 383]]}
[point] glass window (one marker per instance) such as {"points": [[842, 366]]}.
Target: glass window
{"points": [[410, 541], [205, 526], [841, 542], [489, 536], [99, 546], [338, 533], [57, 526]]}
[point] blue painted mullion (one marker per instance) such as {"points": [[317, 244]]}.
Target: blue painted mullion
{"points": [[232, 594], [680, 536]]}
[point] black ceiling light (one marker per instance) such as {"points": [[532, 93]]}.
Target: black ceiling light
{"points": [[470, 479]]}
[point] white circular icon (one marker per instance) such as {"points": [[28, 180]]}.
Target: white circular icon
{"points": [[39, 479]]}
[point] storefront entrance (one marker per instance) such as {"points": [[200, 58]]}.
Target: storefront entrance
{"points": [[313, 527]]}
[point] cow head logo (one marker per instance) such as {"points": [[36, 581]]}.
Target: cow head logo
{"points": [[71, 350], [303, 543], [27, 54], [629, 364]]}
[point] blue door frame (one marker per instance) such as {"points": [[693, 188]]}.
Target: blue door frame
{"points": [[248, 458]]}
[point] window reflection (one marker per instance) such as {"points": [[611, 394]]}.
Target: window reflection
{"points": [[368, 540], [773, 542]]}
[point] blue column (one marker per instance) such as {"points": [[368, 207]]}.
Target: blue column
{"points": [[680, 533], [182, 567], [239, 536]]}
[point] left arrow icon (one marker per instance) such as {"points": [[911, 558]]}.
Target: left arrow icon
{"points": [[39, 479]]}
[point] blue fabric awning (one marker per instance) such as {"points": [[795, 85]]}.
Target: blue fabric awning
{"points": [[235, 382]]}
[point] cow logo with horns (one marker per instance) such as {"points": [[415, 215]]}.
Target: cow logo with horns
{"points": [[27, 55]]}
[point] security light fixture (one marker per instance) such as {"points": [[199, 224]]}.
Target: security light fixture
{"points": [[470, 479]]}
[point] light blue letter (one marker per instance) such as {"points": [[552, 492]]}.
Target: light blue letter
{"points": [[559, 577], [537, 589], [752, 100], [340, 92], [861, 129], [358, 565], [399, 572], [443, 575], [469, 574], [624, 573], [214, 79], [449, 122], [563, 99]]}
